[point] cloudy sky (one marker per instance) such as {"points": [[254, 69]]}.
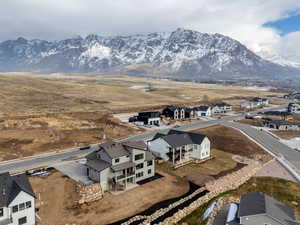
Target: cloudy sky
{"points": [[266, 26]]}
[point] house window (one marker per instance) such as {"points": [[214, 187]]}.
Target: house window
{"points": [[15, 208], [139, 174], [150, 163], [23, 220], [28, 204], [140, 166], [139, 156], [117, 160], [1, 212], [149, 171], [22, 206]]}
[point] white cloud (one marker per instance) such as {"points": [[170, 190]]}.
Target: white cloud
{"points": [[239, 19]]}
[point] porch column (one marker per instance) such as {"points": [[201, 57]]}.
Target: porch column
{"points": [[173, 156], [180, 152], [125, 178]]}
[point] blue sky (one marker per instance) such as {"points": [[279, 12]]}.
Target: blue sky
{"points": [[286, 25]]}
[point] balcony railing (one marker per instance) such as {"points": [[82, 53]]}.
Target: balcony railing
{"points": [[120, 177]]}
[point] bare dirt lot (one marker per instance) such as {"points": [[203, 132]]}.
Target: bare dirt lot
{"points": [[27, 135], [232, 141], [60, 206]]}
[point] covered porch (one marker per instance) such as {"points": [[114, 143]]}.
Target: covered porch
{"points": [[124, 176]]}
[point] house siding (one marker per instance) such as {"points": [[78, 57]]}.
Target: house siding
{"points": [[159, 148], [29, 213]]}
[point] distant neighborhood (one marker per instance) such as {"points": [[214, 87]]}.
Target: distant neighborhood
{"points": [[174, 113]]}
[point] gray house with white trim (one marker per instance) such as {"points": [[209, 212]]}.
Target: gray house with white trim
{"points": [[116, 166], [16, 200], [260, 209]]}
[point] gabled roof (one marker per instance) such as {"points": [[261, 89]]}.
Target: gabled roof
{"points": [[11, 186], [113, 149], [176, 138], [221, 104], [97, 164], [201, 108], [173, 108], [136, 144], [258, 203]]}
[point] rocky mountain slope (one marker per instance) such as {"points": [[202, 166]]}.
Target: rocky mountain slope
{"points": [[181, 54]]}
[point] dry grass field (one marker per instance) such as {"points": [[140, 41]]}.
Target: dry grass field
{"points": [[31, 94], [41, 113]]}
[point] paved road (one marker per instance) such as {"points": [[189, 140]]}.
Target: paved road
{"points": [[266, 140], [269, 142]]}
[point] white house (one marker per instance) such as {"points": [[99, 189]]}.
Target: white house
{"points": [[179, 147], [221, 108], [16, 200], [116, 166], [202, 111]]}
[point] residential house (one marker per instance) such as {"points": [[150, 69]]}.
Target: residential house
{"points": [[221, 108], [178, 147], [260, 102], [174, 112], [116, 166], [247, 105], [281, 124], [202, 111], [149, 118], [294, 108], [260, 209], [189, 113], [16, 200]]}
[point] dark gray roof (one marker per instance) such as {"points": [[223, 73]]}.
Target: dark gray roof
{"points": [[222, 104], [201, 108], [114, 149], [136, 144], [97, 164], [10, 187], [259, 203], [176, 138]]}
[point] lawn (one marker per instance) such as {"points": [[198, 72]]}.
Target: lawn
{"points": [[221, 161], [285, 191]]}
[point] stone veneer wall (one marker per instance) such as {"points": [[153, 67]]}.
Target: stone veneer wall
{"points": [[89, 193]]}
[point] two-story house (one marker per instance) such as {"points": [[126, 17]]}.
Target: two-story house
{"points": [[149, 118], [179, 147], [260, 209], [221, 108], [174, 112], [16, 200], [259, 102], [202, 111], [116, 166]]}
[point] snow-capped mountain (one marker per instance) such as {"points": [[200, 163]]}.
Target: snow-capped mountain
{"points": [[275, 58], [184, 54]]}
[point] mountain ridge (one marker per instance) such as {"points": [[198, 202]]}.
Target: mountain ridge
{"points": [[181, 54]]}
